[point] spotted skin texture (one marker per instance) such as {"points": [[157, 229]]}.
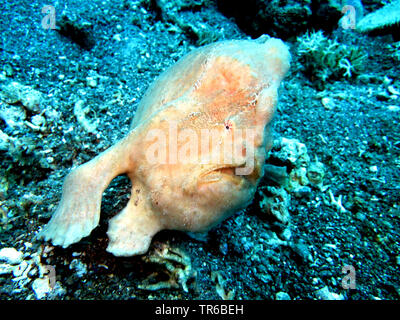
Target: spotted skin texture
{"points": [[183, 179]]}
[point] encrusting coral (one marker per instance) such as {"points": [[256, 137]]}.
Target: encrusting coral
{"points": [[225, 92]]}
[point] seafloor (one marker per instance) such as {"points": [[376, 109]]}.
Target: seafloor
{"points": [[349, 124]]}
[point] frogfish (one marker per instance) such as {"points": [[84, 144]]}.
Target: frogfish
{"points": [[194, 153]]}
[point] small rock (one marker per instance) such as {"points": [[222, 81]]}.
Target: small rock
{"points": [[303, 251], [5, 269], [32, 272], [27, 245], [117, 37], [291, 150], [223, 248], [15, 92], [393, 90], [328, 103], [20, 269], [12, 115], [277, 174], [373, 169], [57, 292], [80, 112], [8, 70], [38, 120], [52, 114], [325, 294], [316, 173], [360, 216], [382, 96], [387, 81], [302, 192], [41, 287], [276, 205], [79, 267], [286, 234], [393, 108], [11, 256], [282, 296], [11, 92], [31, 99], [5, 142], [91, 82]]}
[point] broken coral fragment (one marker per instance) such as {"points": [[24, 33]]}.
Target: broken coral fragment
{"points": [[178, 267], [80, 111], [294, 154], [316, 173], [224, 92], [291, 150], [290, 174], [276, 202], [220, 284]]}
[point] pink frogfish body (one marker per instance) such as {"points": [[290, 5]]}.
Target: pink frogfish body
{"points": [[194, 154]]}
